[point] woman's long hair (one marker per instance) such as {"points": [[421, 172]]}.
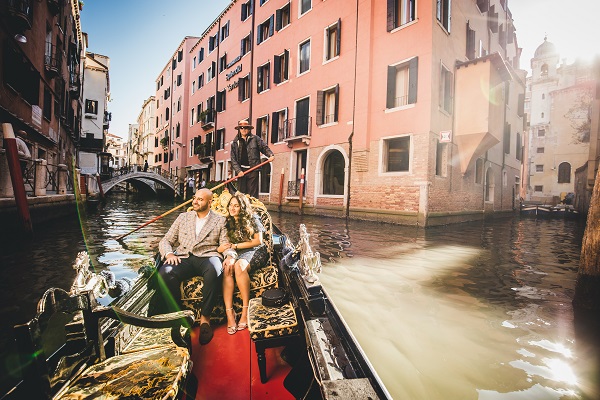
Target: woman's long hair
{"points": [[244, 223]]}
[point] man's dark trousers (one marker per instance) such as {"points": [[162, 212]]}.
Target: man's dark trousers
{"points": [[249, 183]]}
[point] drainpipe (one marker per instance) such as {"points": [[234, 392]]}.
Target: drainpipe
{"points": [[217, 72], [250, 74], [348, 185]]}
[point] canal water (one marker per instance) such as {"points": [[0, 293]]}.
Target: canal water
{"points": [[471, 311]]}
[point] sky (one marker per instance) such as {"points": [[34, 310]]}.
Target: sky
{"points": [[140, 36]]}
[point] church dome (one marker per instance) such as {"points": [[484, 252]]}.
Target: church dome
{"points": [[545, 49]]}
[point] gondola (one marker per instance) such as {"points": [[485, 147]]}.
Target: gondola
{"points": [[76, 347]]}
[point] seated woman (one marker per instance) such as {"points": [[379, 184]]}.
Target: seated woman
{"points": [[245, 234]]}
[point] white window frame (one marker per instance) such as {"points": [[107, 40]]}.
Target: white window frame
{"points": [[383, 156], [308, 40]]}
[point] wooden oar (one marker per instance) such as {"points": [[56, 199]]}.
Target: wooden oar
{"points": [[189, 201]]}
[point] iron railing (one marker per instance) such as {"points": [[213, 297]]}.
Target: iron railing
{"points": [[293, 189]]}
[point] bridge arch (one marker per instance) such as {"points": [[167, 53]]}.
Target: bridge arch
{"points": [[140, 176]]}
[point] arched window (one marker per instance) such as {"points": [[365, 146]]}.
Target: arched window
{"points": [[265, 178], [544, 69], [564, 173], [333, 174]]}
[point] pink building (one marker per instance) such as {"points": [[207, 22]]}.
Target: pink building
{"points": [[172, 119], [406, 110]]}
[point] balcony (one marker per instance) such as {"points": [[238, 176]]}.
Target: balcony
{"points": [[204, 152], [53, 59], [74, 83], [479, 107], [297, 130], [207, 119], [21, 13], [54, 6]]}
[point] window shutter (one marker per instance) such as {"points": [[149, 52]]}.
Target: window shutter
{"points": [[278, 20], [391, 87], [258, 34], [320, 105], [483, 5], [337, 102], [201, 53], [521, 107], [240, 89], [274, 127], [413, 80], [276, 69], [391, 15], [271, 25], [244, 12], [338, 41], [268, 76], [286, 61], [259, 74]]}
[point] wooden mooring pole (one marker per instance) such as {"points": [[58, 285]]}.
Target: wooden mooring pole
{"points": [[587, 288], [16, 176]]}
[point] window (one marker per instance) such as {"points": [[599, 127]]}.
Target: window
{"points": [[332, 40], [446, 90], [544, 70], [479, 171], [263, 2], [194, 63], [265, 30], [167, 114], [91, 107], [538, 188], [210, 73], [470, 53], [400, 12], [402, 84], [180, 55], [222, 62], [305, 6], [193, 87], [224, 31], [507, 129], [280, 67], [265, 178], [564, 172], [244, 88], [282, 17], [192, 116], [200, 80], [191, 153], [302, 122], [519, 150], [396, 154], [333, 174], [221, 101], [198, 112], [443, 13], [304, 57], [263, 79], [213, 41], [220, 139], [539, 168], [541, 132], [540, 150], [327, 105], [246, 45], [179, 104], [246, 10], [262, 128], [200, 55], [179, 79], [441, 159], [177, 130], [279, 126], [47, 111]]}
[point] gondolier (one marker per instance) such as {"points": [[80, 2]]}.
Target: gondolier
{"points": [[245, 154]]}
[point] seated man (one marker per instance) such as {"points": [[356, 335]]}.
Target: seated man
{"points": [[197, 234]]}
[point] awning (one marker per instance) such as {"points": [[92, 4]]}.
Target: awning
{"points": [[195, 167]]}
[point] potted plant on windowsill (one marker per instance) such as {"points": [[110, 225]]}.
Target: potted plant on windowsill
{"points": [[164, 142], [200, 149]]}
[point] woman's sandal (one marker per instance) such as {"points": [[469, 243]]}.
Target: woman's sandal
{"points": [[243, 325], [232, 329]]}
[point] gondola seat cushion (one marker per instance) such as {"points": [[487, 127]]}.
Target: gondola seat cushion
{"points": [[261, 278], [157, 373], [270, 322]]}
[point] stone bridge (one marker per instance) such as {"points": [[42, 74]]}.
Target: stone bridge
{"points": [[139, 177]]}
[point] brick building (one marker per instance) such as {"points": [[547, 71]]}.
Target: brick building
{"points": [[408, 111]]}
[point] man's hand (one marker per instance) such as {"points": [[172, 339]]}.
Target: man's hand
{"points": [[240, 174], [271, 158], [172, 259]]}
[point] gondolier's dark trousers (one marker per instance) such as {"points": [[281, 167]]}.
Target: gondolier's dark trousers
{"points": [[168, 282], [249, 183]]}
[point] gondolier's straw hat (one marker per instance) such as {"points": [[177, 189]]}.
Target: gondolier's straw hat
{"points": [[243, 124]]}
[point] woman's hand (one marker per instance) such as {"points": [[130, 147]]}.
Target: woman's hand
{"points": [[228, 266]]}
